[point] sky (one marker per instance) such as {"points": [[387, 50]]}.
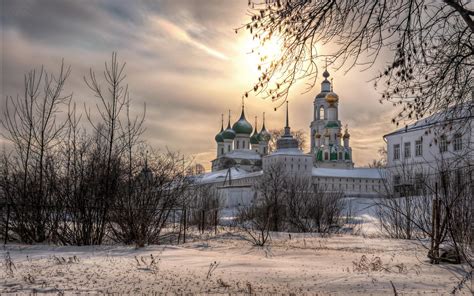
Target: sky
{"points": [[183, 60]]}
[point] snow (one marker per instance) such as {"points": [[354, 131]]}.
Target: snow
{"points": [[367, 173], [292, 263], [306, 263], [450, 115], [289, 151], [219, 176]]}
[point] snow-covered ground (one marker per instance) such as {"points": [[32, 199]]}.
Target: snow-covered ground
{"points": [[305, 264]]}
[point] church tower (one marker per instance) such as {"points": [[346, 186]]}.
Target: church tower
{"points": [[326, 130]]}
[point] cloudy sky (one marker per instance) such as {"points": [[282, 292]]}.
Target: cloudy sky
{"points": [[184, 61]]}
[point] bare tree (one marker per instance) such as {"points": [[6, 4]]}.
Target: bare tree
{"points": [[429, 44], [32, 125], [112, 100], [140, 215], [381, 162], [431, 203], [205, 206], [310, 209], [270, 189], [256, 221]]}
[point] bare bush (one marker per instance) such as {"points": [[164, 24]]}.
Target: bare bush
{"points": [[256, 221], [435, 204], [310, 209]]}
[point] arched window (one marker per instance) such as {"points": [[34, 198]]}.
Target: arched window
{"points": [[321, 112]]}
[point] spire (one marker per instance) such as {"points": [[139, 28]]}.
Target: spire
{"points": [[263, 125], [287, 127], [326, 85], [228, 124], [332, 84], [242, 115], [222, 122], [326, 73]]}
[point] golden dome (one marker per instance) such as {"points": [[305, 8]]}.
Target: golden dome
{"points": [[332, 98]]}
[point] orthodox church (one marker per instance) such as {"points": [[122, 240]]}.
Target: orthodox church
{"points": [[242, 155], [244, 146], [237, 145]]}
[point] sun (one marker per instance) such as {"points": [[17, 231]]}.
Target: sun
{"points": [[258, 57]]}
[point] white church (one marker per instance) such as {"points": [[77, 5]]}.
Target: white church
{"points": [[243, 155]]}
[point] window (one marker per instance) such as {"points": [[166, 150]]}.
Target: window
{"points": [[222, 150], [419, 148], [443, 144], [418, 183], [237, 142], [457, 142], [326, 156], [396, 152], [407, 150], [340, 155], [321, 113]]}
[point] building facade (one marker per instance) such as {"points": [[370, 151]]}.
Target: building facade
{"points": [[440, 143]]}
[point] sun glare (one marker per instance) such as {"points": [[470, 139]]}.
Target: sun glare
{"points": [[257, 55]]}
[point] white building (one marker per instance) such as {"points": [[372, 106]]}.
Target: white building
{"points": [[440, 142]]}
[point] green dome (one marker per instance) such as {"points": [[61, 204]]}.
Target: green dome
{"points": [[332, 124], [264, 135], [255, 138], [228, 134], [219, 138], [242, 126]]}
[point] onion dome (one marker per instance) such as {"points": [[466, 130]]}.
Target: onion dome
{"points": [[326, 73], [242, 126], [339, 134], [264, 134], [219, 138], [255, 138], [332, 98], [228, 133]]}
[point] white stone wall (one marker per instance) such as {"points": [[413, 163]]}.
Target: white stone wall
{"points": [[300, 164], [350, 186]]}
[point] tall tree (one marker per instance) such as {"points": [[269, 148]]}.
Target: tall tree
{"points": [[428, 46]]}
